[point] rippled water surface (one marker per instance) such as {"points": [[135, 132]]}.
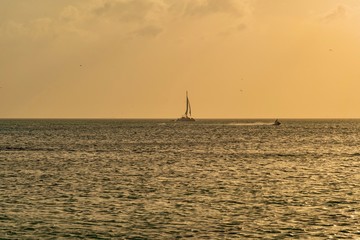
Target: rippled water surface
{"points": [[158, 179]]}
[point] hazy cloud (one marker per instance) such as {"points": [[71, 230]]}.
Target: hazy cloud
{"points": [[41, 27], [205, 7], [232, 30], [129, 10], [35, 29], [102, 16], [241, 27], [122, 17], [12, 29], [70, 13], [339, 13], [210, 7], [149, 31], [81, 58]]}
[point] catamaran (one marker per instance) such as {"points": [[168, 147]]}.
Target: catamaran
{"points": [[187, 117]]}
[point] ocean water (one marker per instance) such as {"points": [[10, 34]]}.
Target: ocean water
{"points": [[158, 179]]}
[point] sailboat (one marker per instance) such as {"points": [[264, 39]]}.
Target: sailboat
{"points": [[187, 117]]}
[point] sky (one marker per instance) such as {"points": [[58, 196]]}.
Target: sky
{"points": [[137, 58]]}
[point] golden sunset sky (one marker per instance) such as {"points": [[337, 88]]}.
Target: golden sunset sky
{"points": [[137, 58]]}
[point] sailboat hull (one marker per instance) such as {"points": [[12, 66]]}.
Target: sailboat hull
{"points": [[185, 119]]}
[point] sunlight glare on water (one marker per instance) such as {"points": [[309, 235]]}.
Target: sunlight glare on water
{"points": [[158, 179]]}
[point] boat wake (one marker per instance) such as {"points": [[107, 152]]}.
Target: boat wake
{"points": [[252, 124]]}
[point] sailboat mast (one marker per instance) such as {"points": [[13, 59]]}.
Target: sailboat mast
{"points": [[187, 104], [189, 108]]}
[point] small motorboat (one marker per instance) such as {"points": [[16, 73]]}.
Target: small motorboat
{"points": [[277, 122]]}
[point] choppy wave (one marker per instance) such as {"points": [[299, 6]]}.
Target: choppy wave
{"points": [[160, 180]]}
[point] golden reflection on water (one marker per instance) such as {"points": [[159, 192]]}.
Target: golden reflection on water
{"points": [[205, 180]]}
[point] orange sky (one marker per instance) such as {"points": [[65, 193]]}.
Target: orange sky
{"points": [[136, 58]]}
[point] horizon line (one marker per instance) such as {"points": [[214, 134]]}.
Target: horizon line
{"points": [[163, 118]]}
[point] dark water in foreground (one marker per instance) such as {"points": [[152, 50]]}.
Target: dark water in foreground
{"points": [[232, 179]]}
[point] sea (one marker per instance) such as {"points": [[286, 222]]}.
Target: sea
{"points": [[161, 179]]}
